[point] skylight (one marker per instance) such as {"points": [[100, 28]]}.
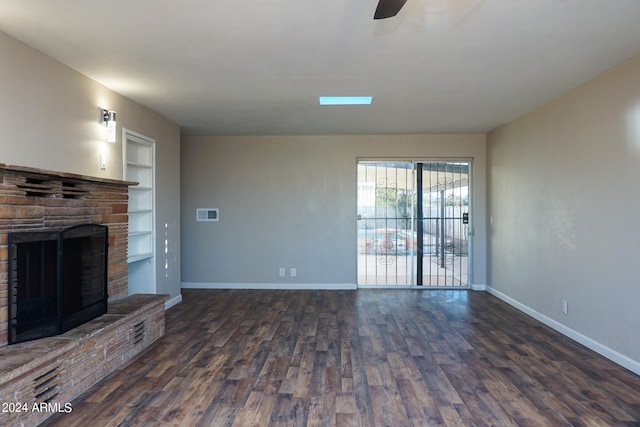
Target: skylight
{"points": [[345, 100]]}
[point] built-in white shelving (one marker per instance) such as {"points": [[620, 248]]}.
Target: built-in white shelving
{"points": [[139, 166]]}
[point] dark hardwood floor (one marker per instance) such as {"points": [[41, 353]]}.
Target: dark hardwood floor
{"points": [[361, 358]]}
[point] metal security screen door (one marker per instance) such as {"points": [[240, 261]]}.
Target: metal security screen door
{"points": [[413, 223], [443, 223]]}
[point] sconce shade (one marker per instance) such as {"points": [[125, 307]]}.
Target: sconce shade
{"points": [[108, 118]]}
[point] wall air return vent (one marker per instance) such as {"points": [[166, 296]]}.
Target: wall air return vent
{"points": [[207, 214]]}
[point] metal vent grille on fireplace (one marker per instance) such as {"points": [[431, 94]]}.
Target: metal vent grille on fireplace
{"points": [[207, 214]]}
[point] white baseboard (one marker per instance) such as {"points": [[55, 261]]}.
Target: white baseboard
{"points": [[173, 301], [620, 359], [282, 286], [478, 287]]}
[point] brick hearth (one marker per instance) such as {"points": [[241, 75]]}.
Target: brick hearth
{"points": [[56, 370]]}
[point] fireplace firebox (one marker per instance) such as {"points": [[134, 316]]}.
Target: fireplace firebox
{"points": [[57, 280]]}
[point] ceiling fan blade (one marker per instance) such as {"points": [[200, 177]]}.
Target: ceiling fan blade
{"points": [[388, 8]]}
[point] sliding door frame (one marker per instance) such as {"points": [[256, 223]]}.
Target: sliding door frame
{"points": [[416, 279]]}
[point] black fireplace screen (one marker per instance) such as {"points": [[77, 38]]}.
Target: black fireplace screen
{"points": [[57, 280]]}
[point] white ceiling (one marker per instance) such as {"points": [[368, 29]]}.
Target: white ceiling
{"points": [[225, 67]]}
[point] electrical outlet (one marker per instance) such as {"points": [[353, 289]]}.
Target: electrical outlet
{"points": [[282, 272], [103, 162], [565, 307], [293, 272]]}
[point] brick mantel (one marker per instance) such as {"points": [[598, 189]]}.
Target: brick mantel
{"points": [[34, 199]]}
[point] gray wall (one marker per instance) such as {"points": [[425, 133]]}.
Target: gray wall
{"points": [[291, 202], [49, 120], [563, 194]]}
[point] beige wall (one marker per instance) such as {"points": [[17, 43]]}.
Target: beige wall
{"points": [[291, 202], [49, 120], [563, 194]]}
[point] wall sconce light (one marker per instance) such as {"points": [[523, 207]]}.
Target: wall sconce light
{"points": [[108, 118]]}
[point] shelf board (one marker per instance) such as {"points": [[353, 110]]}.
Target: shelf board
{"points": [[139, 257], [139, 233], [139, 165]]}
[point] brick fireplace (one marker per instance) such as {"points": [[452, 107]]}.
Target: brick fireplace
{"points": [[37, 200], [56, 369]]}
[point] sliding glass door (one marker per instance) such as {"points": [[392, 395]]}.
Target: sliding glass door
{"points": [[413, 223], [386, 241]]}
